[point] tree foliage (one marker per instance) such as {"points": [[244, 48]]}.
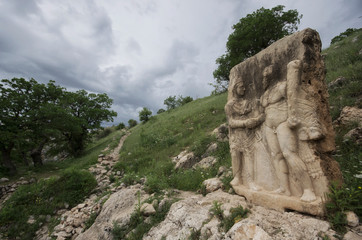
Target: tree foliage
{"points": [[145, 114], [343, 35], [34, 114], [172, 102], [252, 34], [132, 123]]}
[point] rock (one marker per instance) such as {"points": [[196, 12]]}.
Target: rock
{"points": [[31, 220], [222, 170], [66, 205], [118, 208], [350, 115], [184, 160], [352, 219], [210, 149], [339, 82], [191, 213], [212, 184], [148, 209], [210, 230], [246, 229], [351, 236], [206, 162], [355, 135], [2, 180], [221, 133], [101, 156]]}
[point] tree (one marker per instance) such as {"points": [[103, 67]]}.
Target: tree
{"points": [[343, 35], [120, 126], [183, 100], [88, 111], [252, 34], [132, 123], [170, 102], [161, 110], [145, 114]]}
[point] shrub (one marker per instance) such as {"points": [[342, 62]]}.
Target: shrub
{"points": [[43, 198], [145, 114]]}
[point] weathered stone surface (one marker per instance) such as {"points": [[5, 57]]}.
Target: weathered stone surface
{"points": [[246, 230], [2, 180], [339, 82], [280, 130], [352, 236], [350, 115], [190, 213], [148, 209], [118, 208], [206, 162], [212, 184], [221, 133], [352, 219], [184, 160], [354, 135]]}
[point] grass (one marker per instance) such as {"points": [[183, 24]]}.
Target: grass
{"points": [[43, 198], [343, 59], [152, 145]]}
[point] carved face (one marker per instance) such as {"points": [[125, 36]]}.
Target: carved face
{"points": [[240, 89]]}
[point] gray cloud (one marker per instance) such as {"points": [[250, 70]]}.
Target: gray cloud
{"points": [[138, 52]]}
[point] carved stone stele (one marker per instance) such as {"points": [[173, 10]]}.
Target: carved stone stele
{"points": [[280, 129]]}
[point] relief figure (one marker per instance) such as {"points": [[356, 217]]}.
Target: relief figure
{"points": [[280, 125], [242, 123]]}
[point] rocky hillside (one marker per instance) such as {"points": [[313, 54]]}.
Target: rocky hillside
{"points": [[169, 178]]}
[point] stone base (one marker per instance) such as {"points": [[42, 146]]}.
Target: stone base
{"points": [[280, 202]]}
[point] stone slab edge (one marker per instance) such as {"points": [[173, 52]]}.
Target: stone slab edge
{"points": [[281, 203]]}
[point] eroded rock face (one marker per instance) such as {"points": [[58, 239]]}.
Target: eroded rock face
{"points": [[280, 129]]}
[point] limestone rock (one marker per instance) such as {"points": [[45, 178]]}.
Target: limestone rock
{"points": [[212, 184], [206, 162], [210, 230], [2, 180], [221, 133], [190, 213], [339, 82], [246, 230], [184, 160], [355, 135], [351, 236], [350, 115], [118, 208], [148, 209], [352, 219], [278, 112], [210, 149]]}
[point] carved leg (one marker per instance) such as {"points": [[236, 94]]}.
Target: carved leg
{"points": [[289, 147], [236, 166], [250, 172], [278, 161]]}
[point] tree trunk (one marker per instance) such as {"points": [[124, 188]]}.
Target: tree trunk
{"points": [[36, 154], [6, 160]]}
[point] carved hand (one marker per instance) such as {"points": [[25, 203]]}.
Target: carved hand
{"points": [[293, 121]]}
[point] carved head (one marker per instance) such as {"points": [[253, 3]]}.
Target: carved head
{"points": [[267, 76], [239, 89]]}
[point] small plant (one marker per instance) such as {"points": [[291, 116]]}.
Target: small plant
{"points": [[339, 200], [203, 190], [217, 211], [236, 214], [112, 178], [91, 220], [195, 234]]}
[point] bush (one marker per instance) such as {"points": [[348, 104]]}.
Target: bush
{"points": [[103, 133], [41, 199], [132, 123], [145, 114]]}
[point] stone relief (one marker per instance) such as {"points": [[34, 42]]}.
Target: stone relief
{"points": [[280, 131]]}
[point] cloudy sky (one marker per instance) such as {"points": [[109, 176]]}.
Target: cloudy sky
{"points": [[139, 52]]}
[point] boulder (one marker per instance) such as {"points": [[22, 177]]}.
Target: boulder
{"points": [[221, 133], [148, 209], [118, 208], [184, 160], [246, 229], [350, 115], [212, 184], [352, 219], [354, 135], [206, 162], [339, 82]]}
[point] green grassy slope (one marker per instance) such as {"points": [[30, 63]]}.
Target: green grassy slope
{"points": [[150, 147]]}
